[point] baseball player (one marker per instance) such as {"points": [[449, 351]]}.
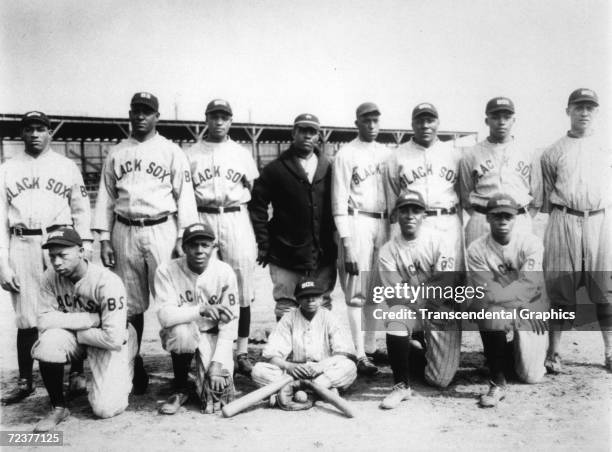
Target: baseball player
{"points": [[198, 302], [308, 343], [499, 164], [417, 257], [144, 203], [223, 173], [577, 172], [83, 313], [508, 265], [359, 207], [40, 191]]}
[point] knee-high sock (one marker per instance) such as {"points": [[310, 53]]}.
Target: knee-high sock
{"points": [[398, 349], [354, 319], [26, 338], [53, 377], [494, 344], [137, 322], [244, 326], [180, 364]]}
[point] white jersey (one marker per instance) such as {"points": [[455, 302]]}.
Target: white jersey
{"points": [[147, 180], [36, 193], [489, 168], [299, 340], [95, 307], [431, 172], [358, 181], [222, 173], [578, 173]]}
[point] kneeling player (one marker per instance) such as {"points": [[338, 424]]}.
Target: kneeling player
{"points": [[198, 298], [508, 266], [308, 343], [83, 313], [418, 258]]}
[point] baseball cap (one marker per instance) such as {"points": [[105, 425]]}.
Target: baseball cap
{"points": [[424, 108], [499, 104], [415, 199], [35, 116], [197, 230], [219, 105], [63, 237], [147, 99], [307, 120], [502, 202], [308, 287], [367, 107], [583, 95]]}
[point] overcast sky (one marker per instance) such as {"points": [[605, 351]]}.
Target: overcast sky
{"points": [[275, 59]]}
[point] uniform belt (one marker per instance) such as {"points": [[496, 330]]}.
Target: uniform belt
{"points": [[377, 215], [141, 223], [207, 209], [437, 212], [483, 210], [579, 213], [23, 231]]}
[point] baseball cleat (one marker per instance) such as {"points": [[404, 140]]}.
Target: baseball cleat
{"points": [[553, 364], [174, 402], [245, 366], [365, 367], [21, 391], [77, 384], [493, 397], [399, 393], [57, 415], [378, 357]]}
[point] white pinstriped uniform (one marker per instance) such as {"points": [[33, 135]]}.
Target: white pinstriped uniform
{"points": [[223, 175], [577, 174], [488, 168], [321, 342], [36, 193], [414, 262], [513, 273], [179, 294], [148, 180], [89, 317], [433, 173]]}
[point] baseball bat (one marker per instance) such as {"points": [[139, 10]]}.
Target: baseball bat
{"points": [[330, 397], [247, 401]]}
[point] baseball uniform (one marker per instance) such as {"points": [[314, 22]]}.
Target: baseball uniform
{"points": [[320, 342], [89, 318]]}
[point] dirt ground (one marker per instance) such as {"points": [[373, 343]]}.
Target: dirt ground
{"points": [[566, 412]]}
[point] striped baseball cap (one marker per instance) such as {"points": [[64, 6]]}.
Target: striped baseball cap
{"points": [[307, 120]]}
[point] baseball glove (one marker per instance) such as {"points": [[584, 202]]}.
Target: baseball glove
{"points": [[218, 389], [285, 397]]}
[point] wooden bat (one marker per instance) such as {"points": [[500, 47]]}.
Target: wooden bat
{"points": [[247, 401], [330, 397]]}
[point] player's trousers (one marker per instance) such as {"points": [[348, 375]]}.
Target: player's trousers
{"points": [[138, 252], [442, 344], [448, 229], [338, 372], [477, 226], [112, 370], [284, 282], [237, 247]]}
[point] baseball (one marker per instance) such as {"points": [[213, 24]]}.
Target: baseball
{"points": [[300, 397]]}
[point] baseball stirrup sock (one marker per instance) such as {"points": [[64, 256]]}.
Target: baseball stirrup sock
{"points": [[494, 345], [137, 322], [244, 322], [77, 366], [181, 362], [26, 337], [398, 349], [53, 377]]}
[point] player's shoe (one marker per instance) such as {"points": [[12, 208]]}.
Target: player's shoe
{"points": [[245, 366], [57, 415], [174, 402], [378, 357], [77, 384], [140, 381], [21, 391], [399, 393], [365, 367], [553, 364], [495, 395]]}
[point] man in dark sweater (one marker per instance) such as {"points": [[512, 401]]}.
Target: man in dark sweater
{"points": [[297, 241]]}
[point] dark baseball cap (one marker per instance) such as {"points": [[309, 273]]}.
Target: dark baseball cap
{"points": [[502, 202], [147, 99], [63, 237], [219, 105], [424, 108], [583, 95], [307, 120], [198, 230], [367, 108], [308, 287], [35, 116], [499, 104], [406, 199]]}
